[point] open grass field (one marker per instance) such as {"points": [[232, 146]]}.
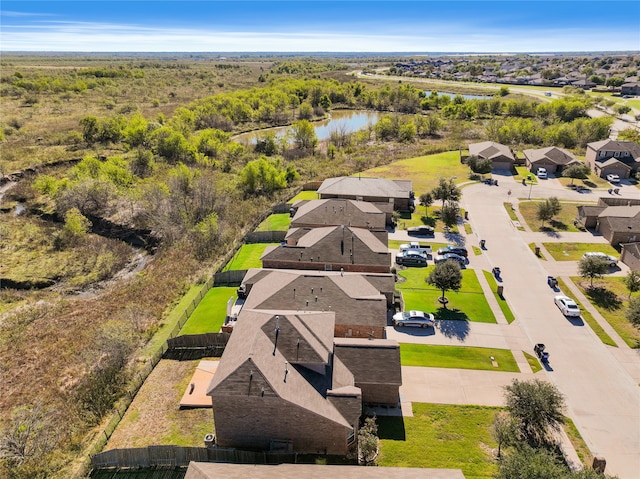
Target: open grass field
{"points": [[210, 314], [588, 317], [305, 195], [248, 256], [469, 304], [574, 251], [504, 307], [460, 357], [275, 222], [610, 297], [562, 222], [440, 436], [154, 416], [424, 171]]}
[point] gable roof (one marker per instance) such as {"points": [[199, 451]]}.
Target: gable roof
{"points": [[554, 154], [371, 361], [620, 211], [356, 298], [336, 211], [331, 244], [613, 161], [490, 150], [349, 186], [616, 146], [254, 356]]}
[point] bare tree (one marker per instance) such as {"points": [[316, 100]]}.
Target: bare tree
{"points": [[30, 432]]}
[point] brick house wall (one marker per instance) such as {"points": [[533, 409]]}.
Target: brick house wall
{"points": [[250, 422]]}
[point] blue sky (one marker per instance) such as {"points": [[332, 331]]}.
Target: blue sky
{"points": [[320, 26]]}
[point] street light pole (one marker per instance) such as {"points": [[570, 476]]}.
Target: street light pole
{"points": [[530, 187]]}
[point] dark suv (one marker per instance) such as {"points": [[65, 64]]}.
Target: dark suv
{"points": [[411, 258], [459, 250]]}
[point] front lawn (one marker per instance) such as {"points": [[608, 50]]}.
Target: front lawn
{"points": [[533, 361], [610, 297], [588, 317], [468, 304], [275, 222], [395, 244], [523, 172], [574, 251], [440, 436], [460, 357], [563, 221], [504, 307], [210, 314], [248, 256], [424, 171]]}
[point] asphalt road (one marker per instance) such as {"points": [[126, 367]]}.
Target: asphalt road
{"points": [[603, 398]]}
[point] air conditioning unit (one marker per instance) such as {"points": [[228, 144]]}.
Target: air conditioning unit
{"points": [[209, 440]]}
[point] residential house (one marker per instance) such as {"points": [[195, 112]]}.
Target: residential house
{"points": [[501, 156], [331, 248], [552, 158], [336, 212], [216, 470], [280, 384], [613, 157], [630, 88], [630, 255], [360, 301], [584, 84], [387, 195], [617, 224]]}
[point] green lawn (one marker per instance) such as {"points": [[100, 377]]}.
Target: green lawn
{"points": [[275, 222], [460, 357], [504, 307], [424, 171], [562, 222], [534, 364], [248, 256], [440, 436], [305, 195], [523, 172], [532, 247], [210, 314], [419, 218], [468, 304], [611, 297], [574, 251], [588, 317], [395, 244]]}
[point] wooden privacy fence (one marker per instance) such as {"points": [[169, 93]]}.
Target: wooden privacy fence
{"points": [[232, 277], [180, 456], [281, 208], [196, 346], [265, 237]]}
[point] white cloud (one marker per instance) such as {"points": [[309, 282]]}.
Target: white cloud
{"points": [[105, 37]]}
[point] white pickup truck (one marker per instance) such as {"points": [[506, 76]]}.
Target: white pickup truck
{"points": [[414, 245]]}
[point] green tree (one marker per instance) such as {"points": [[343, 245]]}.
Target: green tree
{"points": [[446, 191], [446, 276], [368, 441], [304, 135], [622, 109], [450, 213], [614, 81], [633, 311], [632, 281], [503, 430], [577, 171], [593, 267], [528, 463], [548, 208], [504, 91], [480, 166], [90, 129], [537, 408], [426, 200]]}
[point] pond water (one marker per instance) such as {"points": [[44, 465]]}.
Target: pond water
{"points": [[346, 121], [466, 97]]}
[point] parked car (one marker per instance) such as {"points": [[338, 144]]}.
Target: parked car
{"points": [[420, 231], [441, 258], [611, 260], [547, 93], [542, 173], [459, 250], [414, 245], [567, 305], [411, 258], [611, 178], [413, 318]]}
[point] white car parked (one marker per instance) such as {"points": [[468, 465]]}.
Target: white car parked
{"points": [[611, 178], [567, 305], [542, 173], [413, 318], [611, 260]]}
